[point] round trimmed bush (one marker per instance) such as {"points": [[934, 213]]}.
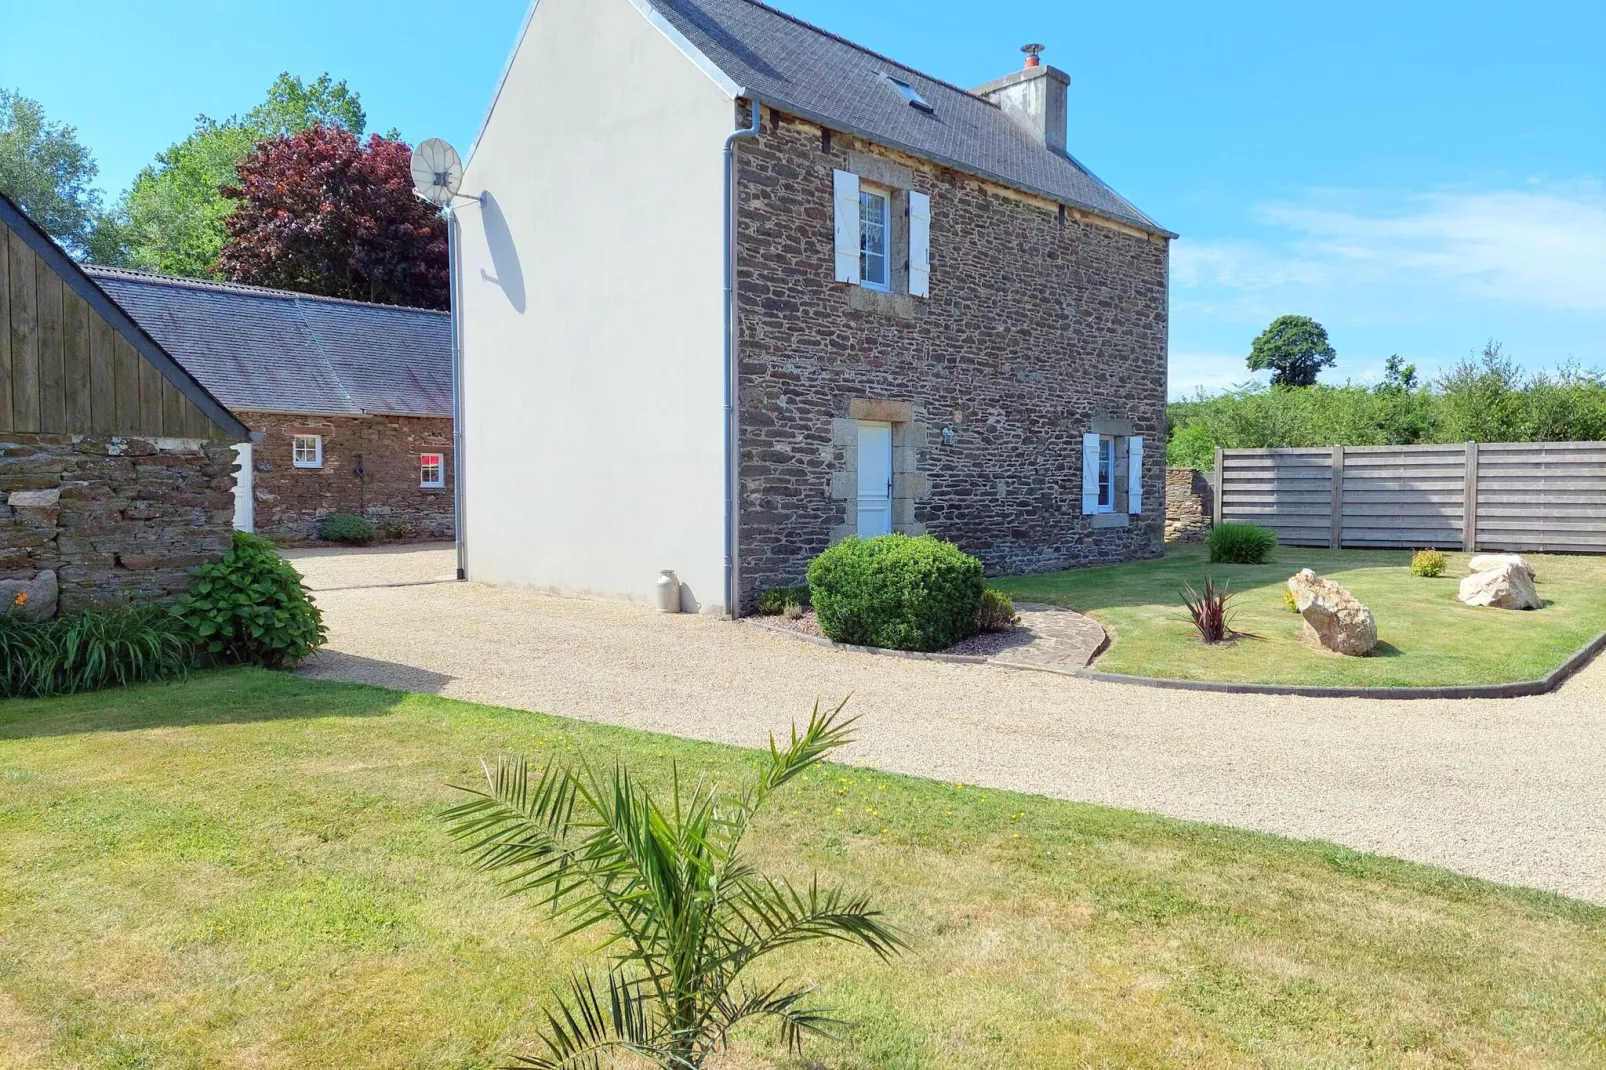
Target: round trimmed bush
{"points": [[897, 592], [1241, 544], [346, 527]]}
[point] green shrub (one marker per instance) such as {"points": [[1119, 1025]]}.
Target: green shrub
{"points": [[1241, 544], [1289, 600], [85, 653], [251, 608], [346, 527], [773, 602], [997, 612], [397, 529], [896, 591], [1427, 563]]}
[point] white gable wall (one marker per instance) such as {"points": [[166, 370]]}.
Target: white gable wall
{"points": [[591, 313]]}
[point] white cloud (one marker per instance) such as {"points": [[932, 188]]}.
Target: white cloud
{"points": [[1541, 247]]}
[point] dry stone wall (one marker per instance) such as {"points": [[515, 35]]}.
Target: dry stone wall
{"points": [[290, 501], [1039, 325], [1189, 505], [117, 519]]}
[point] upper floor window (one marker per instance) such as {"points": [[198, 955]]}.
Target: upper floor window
{"points": [[875, 229], [431, 470], [868, 251], [306, 451]]}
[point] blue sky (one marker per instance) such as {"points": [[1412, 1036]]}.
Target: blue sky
{"points": [[1417, 176]]}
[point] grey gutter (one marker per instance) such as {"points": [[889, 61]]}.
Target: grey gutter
{"points": [[731, 444]]}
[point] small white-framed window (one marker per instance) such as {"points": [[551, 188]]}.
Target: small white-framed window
{"points": [[431, 470], [306, 451], [875, 234], [1106, 503]]}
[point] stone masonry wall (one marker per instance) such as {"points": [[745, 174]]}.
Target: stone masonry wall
{"points": [[1039, 326], [290, 501], [117, 519], [1189, 505]]}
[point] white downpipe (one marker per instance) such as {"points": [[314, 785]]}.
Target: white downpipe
{"points": [[454, 265], [731, 455]]}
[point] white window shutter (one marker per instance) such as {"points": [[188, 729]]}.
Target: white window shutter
{"points": [[1090, 473], [847, 226], [919, 244], [1134, 476]]}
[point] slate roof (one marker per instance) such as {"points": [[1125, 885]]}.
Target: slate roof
{"points": [[799, 68], [276, 351]]}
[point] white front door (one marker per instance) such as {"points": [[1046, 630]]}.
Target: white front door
{"points": [[875, 479], [244, 492]]}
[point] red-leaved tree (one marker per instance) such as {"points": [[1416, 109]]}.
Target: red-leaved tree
{"points": [[321, 213]]}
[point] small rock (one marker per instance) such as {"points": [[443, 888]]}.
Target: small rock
{"points": [[1507, 586], [1334, 619], [33, 599]]}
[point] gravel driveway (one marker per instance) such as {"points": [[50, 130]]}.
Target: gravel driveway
{"points": [[1511, 790]]}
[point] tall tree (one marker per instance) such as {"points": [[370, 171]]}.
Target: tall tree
{"points": [[51, 176], [1294, 349], [174, 211], [322, 213]]}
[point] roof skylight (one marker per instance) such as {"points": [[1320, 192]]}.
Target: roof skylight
{"points": [[909, 94]]}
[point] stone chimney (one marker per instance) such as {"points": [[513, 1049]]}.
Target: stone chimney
{"points": [[1034, 97]]}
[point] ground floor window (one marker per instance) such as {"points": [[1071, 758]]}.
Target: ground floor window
{"points": [[1106, 503], [431, 470], [306, 451]]}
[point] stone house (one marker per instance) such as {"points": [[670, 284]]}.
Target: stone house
{"points": [[116, 466], [352, 402], [787, 290]]}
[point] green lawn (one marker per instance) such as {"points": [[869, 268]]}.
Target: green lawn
{"points": [[247, 870], [1425, 637]]}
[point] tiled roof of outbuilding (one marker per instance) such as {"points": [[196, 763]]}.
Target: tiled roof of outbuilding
{"points": [[278, 351], [796, 67]]}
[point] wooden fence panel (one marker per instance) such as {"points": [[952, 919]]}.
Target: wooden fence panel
{"points": [[1542, 496], [1534, 496], [1396, 498], [1288, 491]]}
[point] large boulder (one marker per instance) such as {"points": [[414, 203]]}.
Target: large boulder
{"points": [[1492, 562], [1334, 619], [33, 599], [1509, 585]]}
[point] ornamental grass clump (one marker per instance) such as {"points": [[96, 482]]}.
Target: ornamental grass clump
{"points": [[1241, 544], [685, 912], [1428, 563], [68, 655], [250, 608], [896, 591], [1209, 610]]}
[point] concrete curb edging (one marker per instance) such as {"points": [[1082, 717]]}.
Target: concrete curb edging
{"points": [[1517, 689]]}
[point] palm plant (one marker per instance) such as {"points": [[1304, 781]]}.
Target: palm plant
{"points": [[686, 914]]}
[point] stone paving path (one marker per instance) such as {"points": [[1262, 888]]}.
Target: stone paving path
{"points": [[1061, 639]]}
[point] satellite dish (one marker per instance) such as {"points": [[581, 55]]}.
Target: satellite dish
{"points": [[437, 171]]}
